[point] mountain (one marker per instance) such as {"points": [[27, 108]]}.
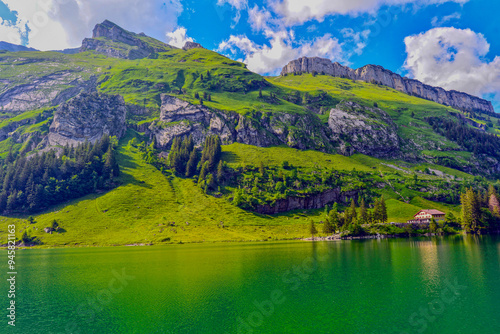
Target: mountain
{"points": [[14, 48], [113, 41], [379, 75], [291, 144]]}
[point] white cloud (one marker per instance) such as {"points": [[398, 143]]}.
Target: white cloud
{"points": [[259, 19], [238, 4], [437, 22], [58, 24], [178, 37], [300, 11], [270, 58], [358, 38], [11, 33], [453, 59]]}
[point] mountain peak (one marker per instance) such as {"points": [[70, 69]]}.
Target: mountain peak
{"points": [[191, 45], [113, 41]]}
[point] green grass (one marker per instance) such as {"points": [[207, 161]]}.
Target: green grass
{"points": [[140, 209]]}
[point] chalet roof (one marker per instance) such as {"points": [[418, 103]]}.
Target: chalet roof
{"points": [[431, 212]]}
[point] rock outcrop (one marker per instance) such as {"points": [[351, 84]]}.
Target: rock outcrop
{"points": [[191, 45], [379, 75], [316, 201], [364, 130], [88, 116], [44, 91], [113, 41], [179, 118]]}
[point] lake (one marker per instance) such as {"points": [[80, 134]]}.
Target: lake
{"points": [[420, 285]]}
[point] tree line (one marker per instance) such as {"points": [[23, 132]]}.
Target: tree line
{"points": [[473, 140], [32, 183], [351, 220], [480, 210]]}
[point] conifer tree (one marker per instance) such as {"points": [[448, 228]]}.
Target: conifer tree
{"points": [[363, 213], [220, 172], [312, 228], [353, 213]]}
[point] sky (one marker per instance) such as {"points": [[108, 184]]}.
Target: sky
{"points": [[453, 44]]}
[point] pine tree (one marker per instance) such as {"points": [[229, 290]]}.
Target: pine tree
{"points": [[383, 209], [353, 213], [192, 163], [220, 173], [327, 227], [312, 229], [363, 213]]}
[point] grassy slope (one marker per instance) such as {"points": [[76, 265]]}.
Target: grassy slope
{"points": [[140, 210]]}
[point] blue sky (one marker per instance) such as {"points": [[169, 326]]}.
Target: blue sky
{"points": [[448, 43]]}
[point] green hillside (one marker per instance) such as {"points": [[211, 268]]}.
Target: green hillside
{"points": [[151, 206], [143, 208]]}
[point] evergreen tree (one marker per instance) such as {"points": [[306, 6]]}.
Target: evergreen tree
{"points": [[363, 212], [312, 228], [383, 210], [328, 227], [353, 213], [192, 163], [220, 173]]}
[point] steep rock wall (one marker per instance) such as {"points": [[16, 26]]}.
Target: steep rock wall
{"points": [[88, 116], [316, 201], [379, 75]]}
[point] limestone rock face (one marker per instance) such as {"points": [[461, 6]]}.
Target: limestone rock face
{"points": [[179, 118], [364, 130], [44, 91], [88, 116], [379, 75], [191, 45], [113, 41]]}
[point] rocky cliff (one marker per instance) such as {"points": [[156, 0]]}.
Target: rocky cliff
{"points": [[379, 75], [364, 130], [316, 201], [179, 118], [88, 116], [113, 41]]}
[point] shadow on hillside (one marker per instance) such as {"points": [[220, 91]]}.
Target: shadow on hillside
{"points": [[126, 161], [230, 157]]}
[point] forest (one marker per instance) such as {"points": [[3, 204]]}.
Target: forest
{"points": [[35, 182]]}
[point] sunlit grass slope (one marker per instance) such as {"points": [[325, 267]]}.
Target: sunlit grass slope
{"points": [[142, 208]]}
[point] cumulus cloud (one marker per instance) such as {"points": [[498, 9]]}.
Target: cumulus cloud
{"points": [[58, 24], [259, 18], [12, 32], [453, 59], [178, 37], [271, 57], [300, 11]]}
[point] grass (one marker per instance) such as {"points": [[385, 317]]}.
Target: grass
{"points": [[142, 208]]}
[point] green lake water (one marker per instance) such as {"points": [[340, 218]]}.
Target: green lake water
{"points": [[423, 285]]}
